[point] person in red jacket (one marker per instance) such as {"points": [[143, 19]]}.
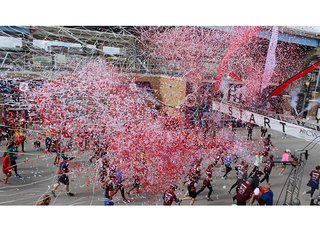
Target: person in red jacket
{"points": [[6, 168], [207, 182], [169, 195], [243, 192]]}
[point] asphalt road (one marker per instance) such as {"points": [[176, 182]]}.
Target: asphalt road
{"points": [[39, 175]]}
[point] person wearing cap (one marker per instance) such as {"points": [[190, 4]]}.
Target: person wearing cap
{"points": [[62, 175], [169, 195], [285, 160], [243, 192]]}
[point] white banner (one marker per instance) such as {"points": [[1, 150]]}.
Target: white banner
{"points": [[274, 124]]}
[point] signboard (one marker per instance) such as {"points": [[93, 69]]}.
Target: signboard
{"points": [[274, 124]]}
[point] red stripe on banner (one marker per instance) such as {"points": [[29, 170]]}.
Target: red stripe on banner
{"points": [[285, 84], [234, 76]]}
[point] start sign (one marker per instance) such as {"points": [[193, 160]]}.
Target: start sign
{"points": [[297, 131]]}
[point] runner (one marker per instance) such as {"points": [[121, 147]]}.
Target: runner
{"points": [[285, 158], [250, 130], [12, 149], [313, 183], [263, 130], [257, 161], [207, 182], [243, 192], [267, 168], [227, 163], [241, 174], [136, 185], [118, 177], [62, 176], [6, 168], [169, 195], [109, 191], [192, 192], [267, 145]]}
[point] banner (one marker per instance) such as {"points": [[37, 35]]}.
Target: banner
{"points": [[271, 123]]}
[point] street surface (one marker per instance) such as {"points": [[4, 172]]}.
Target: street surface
{"points": [[39, 176]]}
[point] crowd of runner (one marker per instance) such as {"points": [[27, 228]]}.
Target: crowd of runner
{"points": [[251, 187]]}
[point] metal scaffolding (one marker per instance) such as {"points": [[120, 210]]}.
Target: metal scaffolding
{"points": [[294, 179]]}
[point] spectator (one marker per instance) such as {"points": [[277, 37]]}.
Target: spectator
{"points": [[256, 195], [267, 196]]}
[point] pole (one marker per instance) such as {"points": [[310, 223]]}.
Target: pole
{"points": [[315, 88]]}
